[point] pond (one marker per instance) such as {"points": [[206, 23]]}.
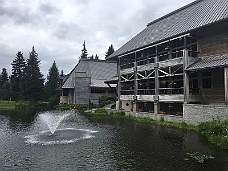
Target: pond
{"points": [[85, 143]]}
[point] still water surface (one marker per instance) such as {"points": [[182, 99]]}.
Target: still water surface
{"points": [[90, 144]]}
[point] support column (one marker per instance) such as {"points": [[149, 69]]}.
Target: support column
{"points": [[226, 84], [119, 103], [156, 82], [156, 107], [186, 87], [186, 75], [135, 106]]}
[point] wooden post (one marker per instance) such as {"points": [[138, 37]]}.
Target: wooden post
{"points": [[135, 81], [226, 84], [156, 81], [135, 85], [186, 75], [119, 104], [156, 108]]}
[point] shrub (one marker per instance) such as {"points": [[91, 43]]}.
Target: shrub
{"points": [[100, 111], [53, 100], [216, 132], [20, 106]]}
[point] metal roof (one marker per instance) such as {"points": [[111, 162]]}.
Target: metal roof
{"points": [[95, 69], [192, 16], [208, 63], [113, 80], [99, 83]]}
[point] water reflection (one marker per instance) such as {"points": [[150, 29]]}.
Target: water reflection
{"points": [[139, 146], [19, 119]]}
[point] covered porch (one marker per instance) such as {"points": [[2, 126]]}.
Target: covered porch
{"points": [[207, 81]]}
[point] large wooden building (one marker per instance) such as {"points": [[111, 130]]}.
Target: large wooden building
{"points": [[178, 64], [85, 83]]}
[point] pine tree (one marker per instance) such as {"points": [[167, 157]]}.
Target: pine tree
{"points": [[4, 77], [110, 51], [17, 77], [96, 57], [84, 52], [61, 74], [34, 79], [53, 80], [91, 57], [4, 85]]}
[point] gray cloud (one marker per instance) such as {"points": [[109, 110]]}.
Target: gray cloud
{"points": [[57, 29]]}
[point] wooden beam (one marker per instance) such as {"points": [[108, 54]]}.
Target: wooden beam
{"points": [[166, 73], [125, 79], [150, 74], [140, 75]]}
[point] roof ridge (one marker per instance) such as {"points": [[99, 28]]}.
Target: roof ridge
{"points": [[173, 12]]}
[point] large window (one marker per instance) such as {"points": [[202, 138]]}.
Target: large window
{"points": [[206, 80]]}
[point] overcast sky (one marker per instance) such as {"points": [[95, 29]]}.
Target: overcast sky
{"points": [[57, 28]]}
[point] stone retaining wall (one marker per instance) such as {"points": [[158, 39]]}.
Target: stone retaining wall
{"points": [[196, 113], [169, 118]]}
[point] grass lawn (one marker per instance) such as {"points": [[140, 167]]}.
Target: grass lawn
{"points": [[4, 105]]}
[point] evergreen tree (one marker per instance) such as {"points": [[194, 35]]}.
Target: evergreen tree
{"points": [[110, 51], [96, 57], [4, 77], [91, 57], [4, 85], [61, 74], [17, 77], [84, 52], [53, 81], [34, 79]]}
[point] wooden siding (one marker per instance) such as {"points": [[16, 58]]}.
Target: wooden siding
{"points": [[213, 41], [82, 90], [215, 95]]}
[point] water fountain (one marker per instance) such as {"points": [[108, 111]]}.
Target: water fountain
{"points": [[53, 120], [57, 132]]}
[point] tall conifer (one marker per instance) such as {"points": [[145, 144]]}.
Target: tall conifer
{"points": [[33, 77], [17, 77], [53, 80]]}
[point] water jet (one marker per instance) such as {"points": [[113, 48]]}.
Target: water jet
{"points": [[53, 119]]}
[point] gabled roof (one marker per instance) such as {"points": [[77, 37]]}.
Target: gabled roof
{"points": [[208, 63], [94, 69], [190, 17]]}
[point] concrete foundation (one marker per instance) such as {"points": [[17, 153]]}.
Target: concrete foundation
{"points": [[196, 113]]}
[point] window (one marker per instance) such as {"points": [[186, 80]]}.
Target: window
{"points": [[206, 80], [65, 92]]}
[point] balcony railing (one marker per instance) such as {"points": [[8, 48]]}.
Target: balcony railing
{"points": [[171, 91], [146, 91], [162, 91], [161, 57]]}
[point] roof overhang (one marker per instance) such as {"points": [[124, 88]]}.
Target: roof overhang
{"points": [[209, 63]]}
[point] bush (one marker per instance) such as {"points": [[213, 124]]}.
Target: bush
{"points": [[100, 111], [120, 113], [20, 106], [53, 100], [80, 107], [63, 107], [216, 132]]}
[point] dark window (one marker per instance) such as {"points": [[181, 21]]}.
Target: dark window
{"points": [[65, 92], [206, 80], [98, 91]]}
